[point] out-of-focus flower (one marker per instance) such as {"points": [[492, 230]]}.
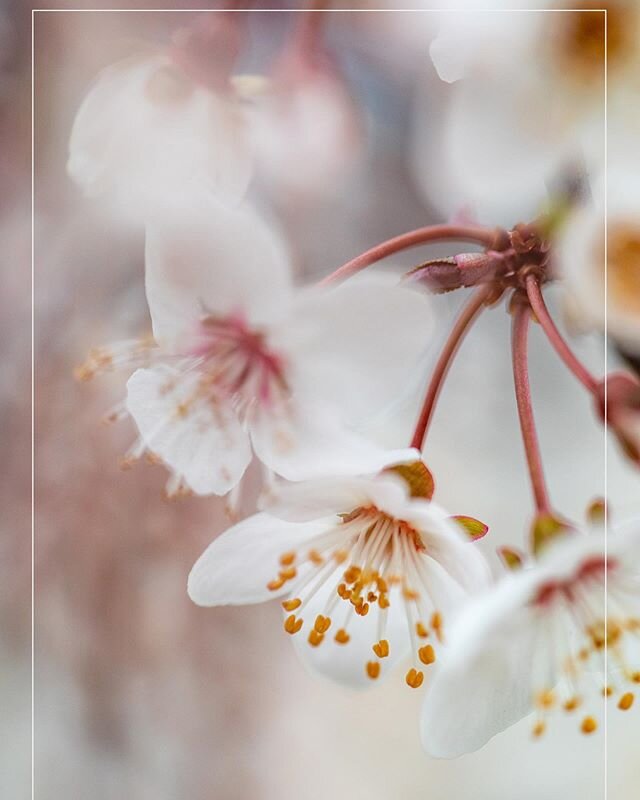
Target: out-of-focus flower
{"points": [[305, 128], [241, 363], [586, 264], [537, 640], [618, 401], [367, 557], [526, 103], [152, 125]]}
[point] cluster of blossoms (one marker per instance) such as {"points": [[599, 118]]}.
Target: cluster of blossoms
{"points": [[243, 364]]}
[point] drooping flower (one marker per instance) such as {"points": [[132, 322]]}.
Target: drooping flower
{"points": [[524, 107], [369, 568], [599, 257], [560, 637], [152, 125], [305, 128], [242, 364]]}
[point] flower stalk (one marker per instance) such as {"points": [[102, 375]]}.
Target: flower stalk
{"points": [[430, 234], [536, 299], [462, 325], [519, 336]]}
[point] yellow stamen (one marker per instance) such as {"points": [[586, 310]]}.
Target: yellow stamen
{"points": [[288, 574], [322, 624], [352, 574], [538, 729], [626, 701], [273, 586], [427, 654], [381, 649], [414, 678], [373, 669], [292, 625], [421, 630], [315, 638], [315, 558], [287, 559], [342, 637], [546, 699], [571, 704], [291, 605], [589, 725]]}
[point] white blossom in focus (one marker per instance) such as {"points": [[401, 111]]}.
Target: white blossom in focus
{"points": [[537, 641], [370, 573], [243, 364]]}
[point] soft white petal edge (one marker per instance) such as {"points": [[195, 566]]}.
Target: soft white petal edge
{"points": [[237, 566]]}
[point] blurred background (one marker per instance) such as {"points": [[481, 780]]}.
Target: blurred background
{"points": [[139, 693]]}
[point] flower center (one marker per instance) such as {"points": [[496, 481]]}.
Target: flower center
{"points": [[578, 634], [236, 362], [624, 266], [384, 565], [580, 43]]}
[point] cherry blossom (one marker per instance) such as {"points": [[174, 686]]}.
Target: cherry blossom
{"points": [[537, 640], [240, 363], [365, 558]]}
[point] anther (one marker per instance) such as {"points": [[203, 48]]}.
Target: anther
{"points": [[607, 691], [538, 729], [292, 625], [545, 699], [322, 624], [352, 574], [589, 725], [276, 584], [315, 638], [373, 669], [421, 630], [381, 648], [427, 654], [626, 701], [315, 558], [287, 559], [436, 624], [372, 597], [291, 605], [383, 601], [362, 609], [410, 594], [571, 704], [414, 678], [341, 637], [340, 556], [288, 574]]}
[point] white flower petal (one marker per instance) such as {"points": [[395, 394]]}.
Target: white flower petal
{"points": [[206, 447], [464, 709], [306, 133], [356, 347], [204, 258], [308, 441], [346, 663], [145, 131], [323, 497], [237, 566]]}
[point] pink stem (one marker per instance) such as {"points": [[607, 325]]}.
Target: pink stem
{"points": [[462, 325], [519, 331], [432, 233], [308, 26], [534, 293]]}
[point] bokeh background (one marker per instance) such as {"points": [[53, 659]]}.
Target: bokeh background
{"points": [[140, 694]]}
